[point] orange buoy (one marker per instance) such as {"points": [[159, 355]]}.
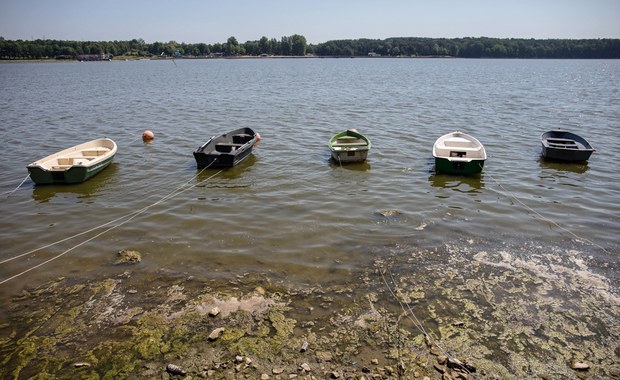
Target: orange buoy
{"points": [[147, 135]]}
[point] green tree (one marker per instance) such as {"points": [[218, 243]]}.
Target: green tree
{"points": [[204, 49], [264, 47], [286, 47], [499, 51], [232, 46], [274, 46], [217, 48], [170, 48], [298, 45], [251, 48]]}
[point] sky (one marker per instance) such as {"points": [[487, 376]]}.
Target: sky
{"points": [[210, 21]]}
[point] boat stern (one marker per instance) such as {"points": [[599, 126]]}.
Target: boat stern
{"points": [[458, 167]]}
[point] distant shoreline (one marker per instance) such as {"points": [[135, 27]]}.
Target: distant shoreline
{"points": [[123, 59], [295, 46]]}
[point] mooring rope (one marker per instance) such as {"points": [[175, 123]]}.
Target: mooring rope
{"points": [[416, 322], [105, 224], [340, 162], [544, 218], [129, 217], [8, 193], [83, 232]]}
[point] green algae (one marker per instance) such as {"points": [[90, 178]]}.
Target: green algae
{"points": [[511, 323], [267, 339]]}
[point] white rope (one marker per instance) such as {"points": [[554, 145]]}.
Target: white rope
{"points": [[416, 322], [100, 226], [546, 219], [129, 217], [8, 193], [70, 237]]}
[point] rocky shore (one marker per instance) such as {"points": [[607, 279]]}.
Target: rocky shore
{"points": [[463, 320]]}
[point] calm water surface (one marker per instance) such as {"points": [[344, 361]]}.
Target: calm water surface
{"points": [[289, 211]]}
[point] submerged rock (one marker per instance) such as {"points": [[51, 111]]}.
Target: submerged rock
{"points": [[127, 256], [388, 214]]}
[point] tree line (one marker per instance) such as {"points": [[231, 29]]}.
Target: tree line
{"points": [[482, 47], [296, 45]]}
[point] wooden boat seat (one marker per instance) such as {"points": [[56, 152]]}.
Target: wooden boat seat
{"points": [[564, 145], [95, 152], [558, 140], [80, 161], [241, 138], [226, 147], [460, 143], [462, 149], [65, 161], [342, 145]]}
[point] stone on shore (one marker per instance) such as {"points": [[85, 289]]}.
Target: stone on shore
{"points": [[215, 334]]}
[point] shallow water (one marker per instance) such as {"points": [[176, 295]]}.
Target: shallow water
{"points": [[289, 211]]}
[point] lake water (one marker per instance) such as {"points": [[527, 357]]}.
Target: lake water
{"points": [[288, 212]]}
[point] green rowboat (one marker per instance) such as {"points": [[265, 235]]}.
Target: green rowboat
{"points": [[349, 146]]}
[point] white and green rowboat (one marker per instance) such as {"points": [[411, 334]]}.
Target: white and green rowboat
{"points": [[458, 153], [75, 164]]}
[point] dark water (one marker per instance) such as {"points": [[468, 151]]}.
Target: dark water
{"points": [[288, 210]]}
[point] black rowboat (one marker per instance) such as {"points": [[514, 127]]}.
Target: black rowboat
{"points": [[226, 150]]}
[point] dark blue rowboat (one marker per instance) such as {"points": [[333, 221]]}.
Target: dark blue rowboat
{"points": [[565, 146]]}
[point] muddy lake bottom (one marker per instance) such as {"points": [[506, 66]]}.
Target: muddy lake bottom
{"points": [[462, 310]]}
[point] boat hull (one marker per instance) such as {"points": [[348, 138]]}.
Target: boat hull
{"points": [[447, 166], [349, 147], [350, 156], [564, 155], [215, 160], [565, 146], [75, 174], [227, 150]]}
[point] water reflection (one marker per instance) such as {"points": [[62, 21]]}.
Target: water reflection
{"points": [[227, 173], [356, 166], [463, 184], [84, 190], [574, 167]]}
